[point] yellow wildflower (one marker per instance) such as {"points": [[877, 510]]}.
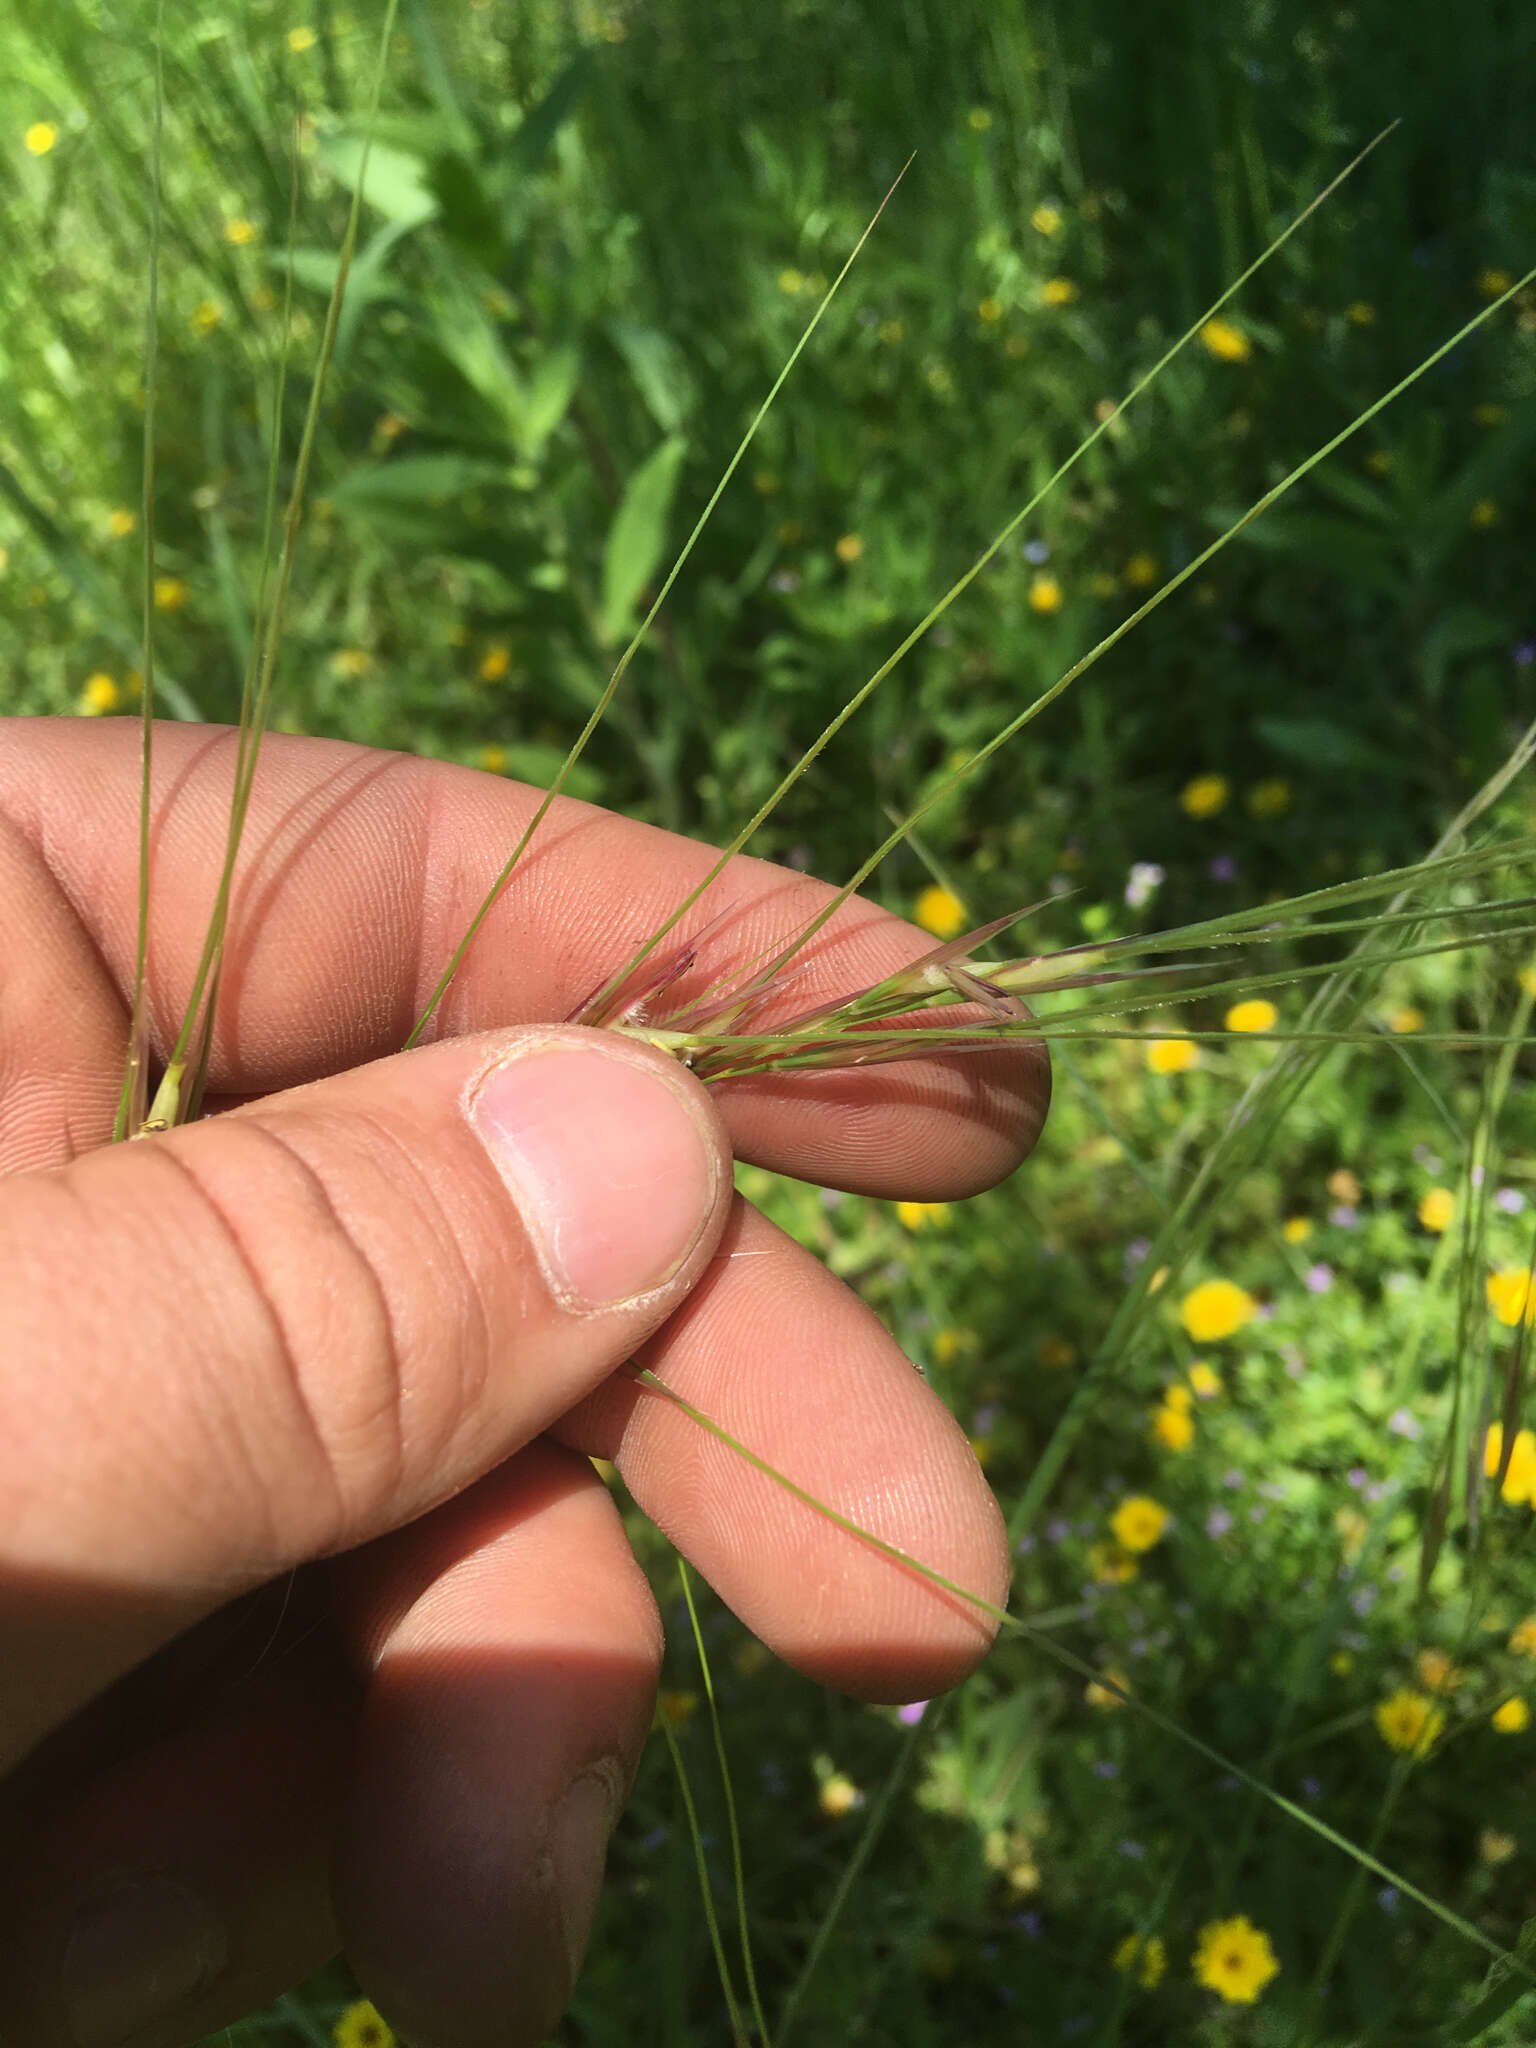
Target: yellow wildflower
{"points": [[1099, 1695], [1173, 1428], [1171, 1055], [1511, 1716], [99, 696], [1216, 1309], [1485, 513], [838, 1796], [1296, 1229], [1058, 291], [492, 759], [1406, 1020], [362, 2026], [1378, 463], [1361, 313], [171, 593], [1435, 1671], [919, 1215], [351, 661], [979, 120], [1206, 1383], [1205, 796], [1044, 595], [1409, 1721], [1493, 283], [1102, 584], [1110, 1565], [240, 231], [1253, 1015], [791, 281], [949, 1343], [1179, 1396], [1141, 571], [1488, 415], [1234, 1959], [206, 315], [1343, 1186], [1495, 1847], [389, 426], [848, 547], [121, 522], [677, 1708], [990, 310], [1527, 980], [1520, 1479], [1145, 1959], [1139, 1522], [1227, 343], [1523, 1640], [495, 662], [891, 332], [1270, 798], [940, 911], [1436, 1208], [1510, 1295], [301, 39], [1045, 220], [40, 137]]}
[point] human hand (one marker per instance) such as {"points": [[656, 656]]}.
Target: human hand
{"points": [[316, 1625]]}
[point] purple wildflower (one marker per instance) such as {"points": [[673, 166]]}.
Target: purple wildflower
{"points": [[1223, 868], [1510, 1200], [1345, 1216], [1403, 1422], [1319, 1278], [1217, 1522]]}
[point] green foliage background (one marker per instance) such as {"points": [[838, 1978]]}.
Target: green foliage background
{"points": [[592, 235]]}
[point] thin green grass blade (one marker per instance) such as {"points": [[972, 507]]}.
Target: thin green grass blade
{"points": [[711, 1918], [869, 1836], [579, 746], [1364, 1859], [738, 1873], [169, 1106], [130, 1105], [950, 783], [931, 618]]}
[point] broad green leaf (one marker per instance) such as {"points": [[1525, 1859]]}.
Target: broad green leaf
{"points": [[397, 185], [659, 370], [638, 535], [416, 480], [550, 391]]}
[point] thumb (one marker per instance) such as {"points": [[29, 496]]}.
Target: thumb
{"points": [[277, 1333]]}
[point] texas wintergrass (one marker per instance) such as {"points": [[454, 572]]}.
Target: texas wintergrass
{"points": [[1336, 1018]]}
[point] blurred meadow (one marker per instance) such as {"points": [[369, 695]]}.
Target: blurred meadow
{"points": [[1242, 1349]]}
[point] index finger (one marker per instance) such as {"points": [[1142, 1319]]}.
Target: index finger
{"points": [[360, 872]]}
